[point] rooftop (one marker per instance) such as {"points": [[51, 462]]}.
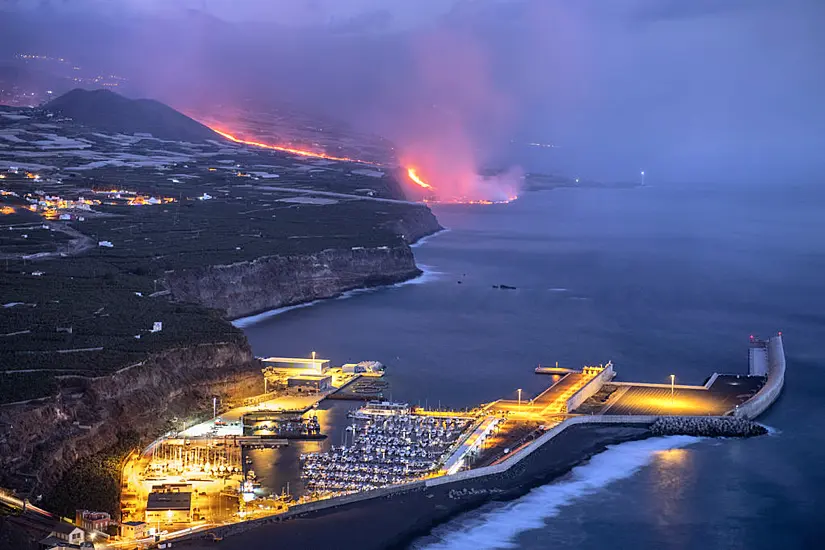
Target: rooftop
{"points": [[169, 501], [64, 528], [296, 360], [306, 376]]}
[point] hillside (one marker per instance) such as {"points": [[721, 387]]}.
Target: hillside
{"points": [[109, 112]]}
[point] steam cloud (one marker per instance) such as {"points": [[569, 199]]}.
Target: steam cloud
{"points": [[688, 91], [451, 110]]}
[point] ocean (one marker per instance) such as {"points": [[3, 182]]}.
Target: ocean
{"points": [[660, 280]]}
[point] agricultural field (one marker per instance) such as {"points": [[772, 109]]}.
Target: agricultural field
{"points": [[90, 222]]}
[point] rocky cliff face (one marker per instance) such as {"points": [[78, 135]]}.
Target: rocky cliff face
{"points": [[417, 223], [39, 442], [271, 282]]}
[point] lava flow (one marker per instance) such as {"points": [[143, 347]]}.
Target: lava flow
{"points": [[417, 180], [300, 152], [412, 173]]}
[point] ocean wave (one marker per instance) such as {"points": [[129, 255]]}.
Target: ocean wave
{"points": [[499, 527], [423, 240], [772, 430], [428, 275], [257, 318]]}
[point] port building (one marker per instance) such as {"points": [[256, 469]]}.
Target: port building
{"points": [[309, 383], [169, 507], [296, 364]]}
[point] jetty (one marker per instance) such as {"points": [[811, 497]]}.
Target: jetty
{"points": [[580, 414]]}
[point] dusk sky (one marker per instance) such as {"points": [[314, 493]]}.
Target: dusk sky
{"points": [[705, 90]]}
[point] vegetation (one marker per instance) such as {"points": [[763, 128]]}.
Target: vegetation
{"points": [[93, 483], [89, 314]]}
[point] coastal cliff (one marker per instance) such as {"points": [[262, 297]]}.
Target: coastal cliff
{"points": [[41, 441], [270, 282], [246, 288]]}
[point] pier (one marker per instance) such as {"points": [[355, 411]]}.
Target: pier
{"points": [[506, 445]]}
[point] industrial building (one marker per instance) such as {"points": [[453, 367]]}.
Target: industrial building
{"points": [[168, 507], [314, 364], [134, 530], [309, 382]]}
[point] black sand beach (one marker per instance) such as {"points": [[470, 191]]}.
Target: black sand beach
{"points": [[393, 521]]}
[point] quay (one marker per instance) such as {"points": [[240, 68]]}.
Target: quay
{"points": [[400, 458]]}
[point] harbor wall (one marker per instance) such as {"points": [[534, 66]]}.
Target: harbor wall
{"points": [[517, 457], [769, 393], [554, 452], [590, 389]]}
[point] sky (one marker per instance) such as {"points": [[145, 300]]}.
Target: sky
{"points": [[705, 90]]}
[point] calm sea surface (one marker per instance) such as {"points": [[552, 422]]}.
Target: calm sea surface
{"points": [[658, 280]]}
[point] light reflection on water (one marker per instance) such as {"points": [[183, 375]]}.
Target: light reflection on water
{"points": [[277, 467]]}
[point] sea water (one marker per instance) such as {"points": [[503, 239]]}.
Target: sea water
{"points": [[660, 280]]}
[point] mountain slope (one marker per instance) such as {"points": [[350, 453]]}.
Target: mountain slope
{"points": [[110, 112]]}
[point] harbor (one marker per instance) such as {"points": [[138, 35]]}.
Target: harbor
{"points": [[299, 452]]}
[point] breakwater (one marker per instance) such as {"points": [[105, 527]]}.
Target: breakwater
{"points": [[435, 500], [391, 517], [774, 382], [706, 426]]}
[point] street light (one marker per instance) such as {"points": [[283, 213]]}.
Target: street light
{"points": [[672, 381], [519, 398]]}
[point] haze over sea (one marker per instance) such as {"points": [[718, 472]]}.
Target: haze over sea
{"points": [[659, 280]]}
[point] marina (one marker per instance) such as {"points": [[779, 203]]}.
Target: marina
{"points": [[291, 451], [384, 445]]}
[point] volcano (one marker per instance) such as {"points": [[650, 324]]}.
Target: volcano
{"points": [[112, 113]]}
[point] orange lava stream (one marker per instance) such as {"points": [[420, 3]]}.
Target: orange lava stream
{"points": [[300, 152], [411, 172], [417, 180], [470, 201]]}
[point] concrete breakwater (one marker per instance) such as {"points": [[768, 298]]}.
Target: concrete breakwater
{"points": [[774, 383], [434, 500], [392, 516], [706, 426]]}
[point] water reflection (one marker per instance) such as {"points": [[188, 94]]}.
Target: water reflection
{"points": [[278, 469]]}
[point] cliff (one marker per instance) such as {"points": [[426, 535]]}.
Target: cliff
{"points": [[417, 223], [270, 282], [40, 441]]}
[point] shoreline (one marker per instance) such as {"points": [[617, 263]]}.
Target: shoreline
{"points": [[396, 520], [425, 274]]}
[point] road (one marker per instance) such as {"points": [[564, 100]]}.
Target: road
{"points": [[24, 505]]}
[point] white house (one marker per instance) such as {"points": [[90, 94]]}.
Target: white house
{"points": [[68, 533]]}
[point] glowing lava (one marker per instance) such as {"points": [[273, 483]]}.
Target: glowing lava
{"points": [[299, 152], [417, 180], [412, 173]]}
